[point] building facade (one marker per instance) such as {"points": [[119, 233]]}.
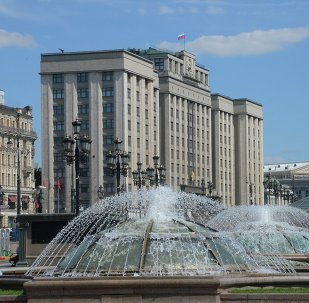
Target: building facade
{"points": [[115, 95], [185, 117], [16, 136], [158, 103], [237, 131]]}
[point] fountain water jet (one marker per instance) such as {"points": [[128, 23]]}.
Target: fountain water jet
{"points": [[268, 232], [148, 233]]}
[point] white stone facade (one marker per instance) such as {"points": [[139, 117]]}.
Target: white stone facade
{"points": [[14, 127], [158, 103], [115, 94]]}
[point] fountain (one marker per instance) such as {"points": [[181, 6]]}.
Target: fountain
{"points": [[268, 231], [149, 233], [157, 243]]}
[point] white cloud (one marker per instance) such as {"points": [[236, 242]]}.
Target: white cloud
{"points": [[165, 10], [215, 10], [257, 42], [142, 12], [8, 39]]}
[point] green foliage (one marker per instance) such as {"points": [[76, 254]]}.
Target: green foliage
{"points": [[15, 292]]}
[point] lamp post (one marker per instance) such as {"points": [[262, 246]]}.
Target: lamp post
{"points": [[118, 162], [10, 144], [276, 189], [78, 155], [100, 192], [2, 195], [210, 187], [267, 188], [139, 176], [21, 226], [156, 174], [203, 185], [250, 184]]}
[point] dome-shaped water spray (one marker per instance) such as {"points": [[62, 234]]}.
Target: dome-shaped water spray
{"points": [[155, 232]]}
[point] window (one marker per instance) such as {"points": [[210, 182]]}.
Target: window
{"points": [[108, 107], [129, 109], [137, 111], [146, 113], [58, 125], [82, 92], [109, 188], [58, 93], [84, 188], [58, 157], [58, 141], [108, 139], [85, 124], [58, 110], [57, 78], [82, 77], [159, 64], [146, 99], [138, 96], [59, 173], [83, 108], [129, 93], [108, 92], [108, 123], [107, 76], [84, 172]]}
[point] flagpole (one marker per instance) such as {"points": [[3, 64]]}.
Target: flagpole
{"points": [[184, 42]]}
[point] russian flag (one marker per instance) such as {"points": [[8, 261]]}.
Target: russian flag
{"points": [[182, 37]]}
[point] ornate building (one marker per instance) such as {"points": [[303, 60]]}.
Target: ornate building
{"points": [[16, 137]]}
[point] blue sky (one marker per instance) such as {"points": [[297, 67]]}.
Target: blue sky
{"points": [[253, 49]]}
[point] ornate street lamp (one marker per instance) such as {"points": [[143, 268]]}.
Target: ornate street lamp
{"points": [[139, 176], [210, 187], [267, 188], [21, 229], [250, 184], [203, 187], [10, 144], [100, 192], [76, 150], [118, 162], [156, 174], [276, 186]]}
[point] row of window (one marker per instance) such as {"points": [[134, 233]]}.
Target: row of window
{"points": [[189, 117], [59, 125], [82, 77], [190, 156], [83, 92], [83, 108]]}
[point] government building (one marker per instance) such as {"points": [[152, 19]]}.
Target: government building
{"points": [[158, 103]]}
